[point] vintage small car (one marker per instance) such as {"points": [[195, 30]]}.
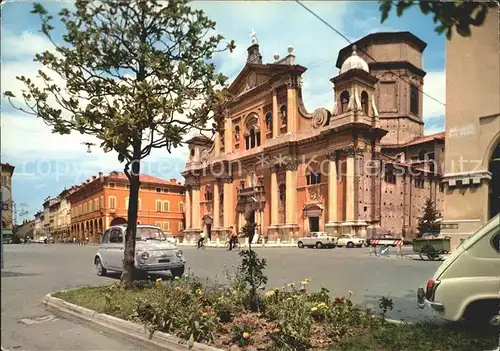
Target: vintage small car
{"points": [[154, 251], [317, 239], [350, 241], [467, 284]]}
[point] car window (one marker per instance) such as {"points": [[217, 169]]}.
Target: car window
{"points": [[105, 237], [116, 236], [495, 242], [149, 233]]}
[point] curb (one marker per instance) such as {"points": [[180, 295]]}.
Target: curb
{"points": [[130, 331]]}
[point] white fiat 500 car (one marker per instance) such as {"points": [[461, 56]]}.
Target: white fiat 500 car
{"points": [[467, 284], [154, 251]]}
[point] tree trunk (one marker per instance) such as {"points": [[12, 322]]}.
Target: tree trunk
{"points": [[129, 271]]}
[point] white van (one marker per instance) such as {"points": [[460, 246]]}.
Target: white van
{"points": [[467, 284]]}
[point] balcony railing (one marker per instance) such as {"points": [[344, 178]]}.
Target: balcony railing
{"points": [[250, 190]]}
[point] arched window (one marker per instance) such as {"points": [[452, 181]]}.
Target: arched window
{"points": [[237, 134], [414, 99], [364, 102], [283, 115], [269, 122], [252, 138], [252, 134], [344, 100], [208, 194]]}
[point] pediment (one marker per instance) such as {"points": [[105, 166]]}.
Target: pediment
{"points": [[254, 75]]}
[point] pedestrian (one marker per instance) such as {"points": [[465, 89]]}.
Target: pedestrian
{"points": [[233, 237], [201, 239]]}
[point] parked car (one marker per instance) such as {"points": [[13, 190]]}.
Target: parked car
{"points": [[466, 285], [41, 240], [317, 239], [350, 241], [381, 236], [154, 251]]}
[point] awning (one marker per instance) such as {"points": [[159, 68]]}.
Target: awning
{"points": [[6, 231]]}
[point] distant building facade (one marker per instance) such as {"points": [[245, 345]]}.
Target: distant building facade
{"points": [[50, 211], [61, 209], [344, 170], [38, 229], [472, 174], [102, 201], [26, 229], [7, 172]]}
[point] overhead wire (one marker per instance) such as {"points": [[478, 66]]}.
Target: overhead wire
{"points": [[363, 51]]}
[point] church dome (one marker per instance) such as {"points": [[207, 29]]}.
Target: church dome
{"points": [[354, 62]]}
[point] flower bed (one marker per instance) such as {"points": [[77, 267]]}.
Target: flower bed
{"points": [[242, 315]]}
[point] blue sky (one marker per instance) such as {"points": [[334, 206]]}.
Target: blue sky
{"points": [[46, 163]]}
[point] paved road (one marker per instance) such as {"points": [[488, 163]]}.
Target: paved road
{"points": [[338, 270], [32, 271]]}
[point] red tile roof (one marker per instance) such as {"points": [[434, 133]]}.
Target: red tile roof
{"points": [[426, 138], [143, 178], [420, 140]]}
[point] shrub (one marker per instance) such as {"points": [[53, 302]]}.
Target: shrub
{"points": [[252, 272], [178, 307]]}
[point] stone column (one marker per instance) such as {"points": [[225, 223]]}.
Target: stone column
{"points": [[291, 111], [188, 208], [195, 191], [350, 200], [228, 137], [332, 186], [274, 196], [216, 211], [228, 202], [275, 114], [291, 191], [217, 144]]}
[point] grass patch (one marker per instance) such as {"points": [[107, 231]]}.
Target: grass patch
{"points": [[291, 317], [234, 325], [108, 299], [424, 337]]}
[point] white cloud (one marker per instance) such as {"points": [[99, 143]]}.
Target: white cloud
{"points": [[278, 24], [27, 44], [434, 86]]}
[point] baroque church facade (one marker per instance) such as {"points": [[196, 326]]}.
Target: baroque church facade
{"points": [[361, 167]]}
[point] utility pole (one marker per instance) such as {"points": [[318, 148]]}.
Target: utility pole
{"points": [[24, 210]]}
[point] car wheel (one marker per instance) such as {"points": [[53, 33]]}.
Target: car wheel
{"points": [[319, 245], [300, 244], [350, 244], [101, 271], [361, 245], [480, 313], [177, 272]]}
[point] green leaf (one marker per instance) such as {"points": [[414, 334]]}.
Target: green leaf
{"points": [[196, 325], [385, 8], [424, 7], [191, 341]]}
